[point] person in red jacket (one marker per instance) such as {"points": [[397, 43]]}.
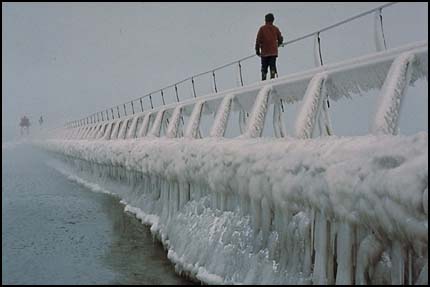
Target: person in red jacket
{"points": [[269, 38]]}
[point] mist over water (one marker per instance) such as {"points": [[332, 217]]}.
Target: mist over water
{"points": [[55, 231]]}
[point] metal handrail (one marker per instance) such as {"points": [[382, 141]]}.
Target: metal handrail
{"points": [[238, 62]]}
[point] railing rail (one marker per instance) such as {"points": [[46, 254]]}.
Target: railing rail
{"points": [[104, 115]]}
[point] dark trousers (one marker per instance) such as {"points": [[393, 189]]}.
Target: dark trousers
{"points": [[269, 61]]}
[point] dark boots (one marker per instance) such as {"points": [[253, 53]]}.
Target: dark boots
{"points": [[263, 76], [272, 75]]}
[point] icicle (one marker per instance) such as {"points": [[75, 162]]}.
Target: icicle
{"points": [[313, 248], [410, 267], [184, 194], [320, 268], [344, 255], [266, 219], [368, 253], [331, 228], [398, 264]]}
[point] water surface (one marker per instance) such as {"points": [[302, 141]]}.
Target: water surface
{"points": [[55, 231]]}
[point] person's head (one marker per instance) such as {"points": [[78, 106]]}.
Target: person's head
{"points": [[269, 18]]}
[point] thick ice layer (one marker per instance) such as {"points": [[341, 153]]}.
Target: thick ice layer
{"points": [[273, 211], [310, 107], [392, 92]]}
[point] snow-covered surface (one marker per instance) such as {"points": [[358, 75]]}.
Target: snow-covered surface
{"points": [[255, 210]]}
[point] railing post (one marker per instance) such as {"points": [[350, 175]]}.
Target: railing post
{"points": [[162, 97], [97, 114], [382, 28], [379, 33], [194, 90], [132, 107], [213, 75], [319, 48], [321, 60], [125, 111], [113, 116], [240, 74], [176, 92], [107, 115], [150, 100], [117, 109], [141, 105]]}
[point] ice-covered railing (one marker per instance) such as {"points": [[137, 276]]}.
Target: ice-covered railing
{"points": [[181, 90], [390, 72]]}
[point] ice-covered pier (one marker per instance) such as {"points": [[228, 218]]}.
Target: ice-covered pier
{"points": [[308, 207], [238, 196]]}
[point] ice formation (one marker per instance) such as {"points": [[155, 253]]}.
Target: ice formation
{"points": [[259, 211], [288, 210]]}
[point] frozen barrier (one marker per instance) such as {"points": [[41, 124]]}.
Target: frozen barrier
{"points": [[389, 71], [332, 210], [292, 209]]}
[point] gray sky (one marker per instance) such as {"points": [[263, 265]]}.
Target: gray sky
{"points": [[67, 60]]}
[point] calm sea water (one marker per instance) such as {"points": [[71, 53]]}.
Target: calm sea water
{"points": [[57, 232]]}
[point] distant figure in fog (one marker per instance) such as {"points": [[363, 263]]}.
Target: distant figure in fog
{"points": [[269, 38], [40, 120], [25, 125]]}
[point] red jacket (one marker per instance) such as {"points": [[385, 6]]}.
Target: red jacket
{"points": [[268, 39]]}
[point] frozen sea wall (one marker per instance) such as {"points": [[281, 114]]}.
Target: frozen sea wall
{"points": [[322, 211]]}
